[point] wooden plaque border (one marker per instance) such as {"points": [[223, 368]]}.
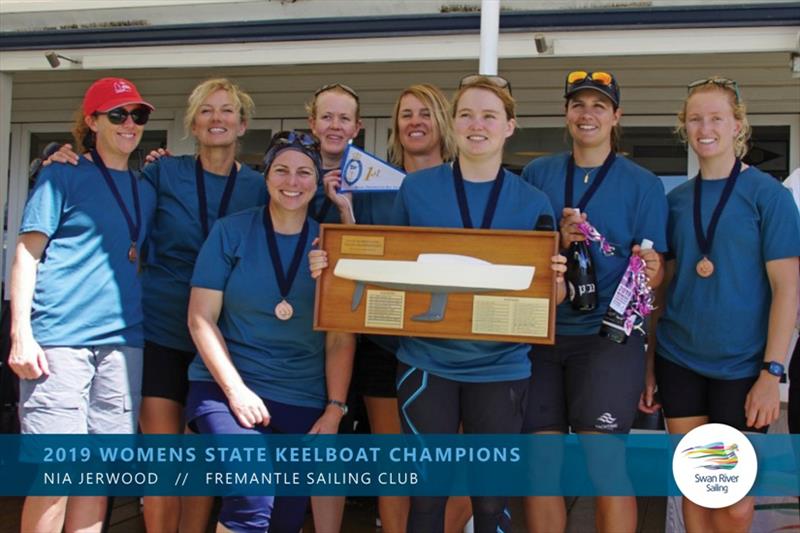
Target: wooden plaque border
{"points": [[334, 295]]}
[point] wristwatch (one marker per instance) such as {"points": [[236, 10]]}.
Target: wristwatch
{"points": [[773, 367], [340, 405]]}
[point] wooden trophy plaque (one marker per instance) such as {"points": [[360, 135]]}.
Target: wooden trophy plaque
{"points": [[493, 285]]}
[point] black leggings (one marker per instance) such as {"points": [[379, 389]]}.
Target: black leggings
{"points": [[432, 404]]}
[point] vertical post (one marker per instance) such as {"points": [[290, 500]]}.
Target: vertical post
{"points": [[5, 150], [490, 29]]}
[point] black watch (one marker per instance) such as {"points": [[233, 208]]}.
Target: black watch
{"points": [[340, 405], [774, 368]]}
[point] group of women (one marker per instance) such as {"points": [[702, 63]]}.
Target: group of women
{"points": [[225, 276]]}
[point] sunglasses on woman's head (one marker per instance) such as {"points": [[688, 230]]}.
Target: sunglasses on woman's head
{"points": [[332, 86], [721, 82], [294, 137], [119, 115], [579, 76], [498, 81]]}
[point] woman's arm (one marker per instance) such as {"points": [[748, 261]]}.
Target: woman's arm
{"points": [[647, 402], [26, 358], [205, 306], [339, 350], [762, 405]]}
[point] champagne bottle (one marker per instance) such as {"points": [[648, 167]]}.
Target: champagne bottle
{"points": [[613, 327], [580, 277]]}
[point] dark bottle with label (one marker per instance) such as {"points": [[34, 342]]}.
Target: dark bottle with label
{"points": [[613, 327], [580, 277]]}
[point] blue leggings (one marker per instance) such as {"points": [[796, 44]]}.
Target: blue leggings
{"points": [[433, 404], [208, 412]]}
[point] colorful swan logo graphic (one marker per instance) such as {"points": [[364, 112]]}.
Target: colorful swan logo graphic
{"points": [[714, 456]]}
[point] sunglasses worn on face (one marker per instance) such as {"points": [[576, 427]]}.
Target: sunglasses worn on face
{"points": [[498, 81], [119, 115], [331, 86], [721, 82]]}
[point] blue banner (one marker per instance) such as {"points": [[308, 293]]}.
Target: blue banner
{"points": [[513, 465]]}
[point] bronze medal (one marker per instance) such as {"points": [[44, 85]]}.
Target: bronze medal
{"points": [[704, 267], [284, 311], [132, 255]]}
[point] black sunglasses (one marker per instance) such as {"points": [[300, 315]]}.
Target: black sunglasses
{"points": [[331, 86], [498, 81], [119, 115]]}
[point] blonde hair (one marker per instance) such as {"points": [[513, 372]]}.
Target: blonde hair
{"points": [[718, 84], [241, 100], [433, 98], [482, 82], [311, 105]]}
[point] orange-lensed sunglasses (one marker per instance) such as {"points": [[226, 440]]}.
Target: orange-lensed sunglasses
{"points": [[579, 76]]}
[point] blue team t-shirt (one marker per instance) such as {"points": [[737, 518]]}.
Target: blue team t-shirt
{"points": [[283, 360], [176, 238], [629, 206], [717, 326], [87, 292], [428, 198], [321, 208]]}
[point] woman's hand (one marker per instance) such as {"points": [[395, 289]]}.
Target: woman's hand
{"points": [[647, 401], [317, 260], [248, 407], [65, 154], [558, 264], [27, 358], [332, 182], [653, 264], [328, 423], [568, 225], [157, 154], [763, 403]]}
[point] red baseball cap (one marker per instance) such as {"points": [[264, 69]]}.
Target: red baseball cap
{"points": [[109, 93]]}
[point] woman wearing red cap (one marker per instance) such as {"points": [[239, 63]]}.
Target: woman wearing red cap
{"points": [[76, 314]]}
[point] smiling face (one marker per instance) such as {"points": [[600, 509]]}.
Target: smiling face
{"points": [[591, 118], [291, 180], [115, 142], [481, 124], [711, 127], [416, 127], [335, 123], [218, 121]]}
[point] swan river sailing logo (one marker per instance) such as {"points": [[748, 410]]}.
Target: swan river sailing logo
{"points": [[715, 465]]}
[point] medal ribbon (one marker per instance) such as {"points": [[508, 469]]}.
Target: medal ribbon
{"points": [[569, 186], [461, 195], [704, 241], [202, 202], [133, 229], [322, 212], [284, 281]]}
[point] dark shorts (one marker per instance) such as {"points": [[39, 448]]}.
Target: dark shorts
{"points": [[374, 370], [686, 393], [585, 383], [166, 372]]}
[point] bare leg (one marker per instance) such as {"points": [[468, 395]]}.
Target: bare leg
{"points": [[696, 519], [385, 420], [615, 514], [195, 510], [328, 512], [161, 416], [85, 514], [457, 513], [546, 514], [43, 514]]}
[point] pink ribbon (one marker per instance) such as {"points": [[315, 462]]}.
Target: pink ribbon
{"points": [[641, 304], [591, 234]]}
